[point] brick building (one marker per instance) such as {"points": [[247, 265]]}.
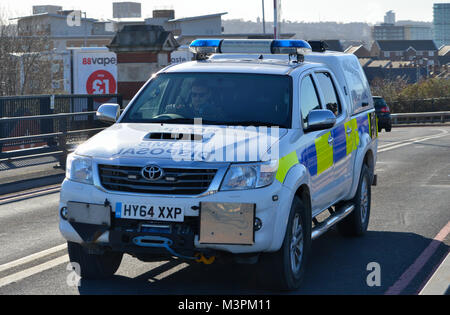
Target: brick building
{"points": [[421, 52]]}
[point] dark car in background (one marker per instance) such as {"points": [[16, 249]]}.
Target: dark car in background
{"points": [[383, 113]]}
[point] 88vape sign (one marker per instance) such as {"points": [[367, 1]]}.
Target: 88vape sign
{"points": [[95, 72], [101, 82]]}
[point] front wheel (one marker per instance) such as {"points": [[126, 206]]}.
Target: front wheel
{"points": [[357, 222], [94, 267], [285, 269]]}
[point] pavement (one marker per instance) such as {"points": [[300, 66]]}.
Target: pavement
{"points": [[404, 252], [26, 173]]}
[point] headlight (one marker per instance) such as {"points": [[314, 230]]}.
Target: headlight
{"points": [[79, 169], [250, 176]]}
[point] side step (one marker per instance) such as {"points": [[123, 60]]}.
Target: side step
{"points": [[335, 218]]}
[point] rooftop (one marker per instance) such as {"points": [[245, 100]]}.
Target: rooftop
{"points": [[402, 45], [199, 17]]}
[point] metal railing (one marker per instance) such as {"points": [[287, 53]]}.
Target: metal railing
{"points": [[428, 105], [48, 124], [431, 117]]}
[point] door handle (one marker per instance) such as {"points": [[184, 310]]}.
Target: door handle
{"points": [[349, 130], [330, 140]]}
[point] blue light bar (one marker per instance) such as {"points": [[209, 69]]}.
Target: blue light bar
{"points": [[206, 46], [291, 47], [254, 46], [206, 43], [296, 43]]}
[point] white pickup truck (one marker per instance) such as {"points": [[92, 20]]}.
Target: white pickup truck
{"points": [[250, 152]]}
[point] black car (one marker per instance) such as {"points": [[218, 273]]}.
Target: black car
{"points": [[383, 113]]}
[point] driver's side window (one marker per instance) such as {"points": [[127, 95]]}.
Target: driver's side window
{"points": [[309, 99]]}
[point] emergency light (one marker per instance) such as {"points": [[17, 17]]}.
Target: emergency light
{"points": [[252, 46]]}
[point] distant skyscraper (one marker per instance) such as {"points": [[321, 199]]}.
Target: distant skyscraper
{"points": [[441, 23], [389, 18]]}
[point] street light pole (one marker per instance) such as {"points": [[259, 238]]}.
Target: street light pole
{"points": [[264, 18], [85, 29]]}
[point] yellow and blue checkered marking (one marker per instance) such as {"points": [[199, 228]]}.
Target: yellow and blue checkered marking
{"points": [[321, 155]]}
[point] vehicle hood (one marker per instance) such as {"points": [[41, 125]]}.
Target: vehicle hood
{"points": [[184, 143]]}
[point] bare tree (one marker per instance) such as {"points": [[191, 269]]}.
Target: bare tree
{"points": [[25, 61]]}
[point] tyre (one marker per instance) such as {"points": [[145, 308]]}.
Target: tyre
{"points": [[285, 269], [94, 267], [357, 222], [389, 129]]}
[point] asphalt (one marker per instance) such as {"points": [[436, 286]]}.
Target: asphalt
{"points": [[29, 172], [410, 206]]}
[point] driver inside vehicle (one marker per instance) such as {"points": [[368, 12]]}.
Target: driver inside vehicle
{"points": [[203, 104]]}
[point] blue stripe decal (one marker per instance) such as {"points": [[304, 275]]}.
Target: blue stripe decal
{"points": [[311, 160], [340, 143], [363, 124]]}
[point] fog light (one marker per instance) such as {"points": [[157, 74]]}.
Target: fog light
{"points": [[258, 224], [64, 213]]}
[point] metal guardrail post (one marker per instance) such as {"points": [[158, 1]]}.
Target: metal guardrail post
{"points": [[90, 108], [47, 126], [62, 142], [120, 100]]}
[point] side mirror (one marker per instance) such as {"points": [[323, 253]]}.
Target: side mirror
{"points": [[320, 119], [108, 113]]}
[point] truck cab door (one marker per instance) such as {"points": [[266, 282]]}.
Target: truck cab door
{"points": [[319, 148], [342, 134]]}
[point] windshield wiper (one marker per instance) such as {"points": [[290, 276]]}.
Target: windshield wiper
{"points": [[171, 121], [253, 123]]}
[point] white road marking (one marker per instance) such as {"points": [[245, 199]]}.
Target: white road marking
{"points": [[32, 257], [169, 272], [411, 141], [443, 132], [33, 270]]}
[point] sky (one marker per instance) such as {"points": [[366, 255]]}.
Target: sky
{"points": [[294, 10]]}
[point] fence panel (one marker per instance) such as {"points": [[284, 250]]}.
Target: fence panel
{"points": [[421, 106], [46, 105]]}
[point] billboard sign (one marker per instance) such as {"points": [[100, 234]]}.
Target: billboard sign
{"points": [[183, 54], [95, 71]]}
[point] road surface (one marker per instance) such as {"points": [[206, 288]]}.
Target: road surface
{"points": [[407, 240]]}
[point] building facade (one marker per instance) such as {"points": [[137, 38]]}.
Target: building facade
{"points": [[197, 25], [127, 10], [402, 32], [441, 23], [388, 32], [421, 52]]}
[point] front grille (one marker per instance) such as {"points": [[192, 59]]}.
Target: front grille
{"points": [[182, 181]]}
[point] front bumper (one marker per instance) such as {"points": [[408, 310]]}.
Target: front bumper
{"points": [[266, 200]]}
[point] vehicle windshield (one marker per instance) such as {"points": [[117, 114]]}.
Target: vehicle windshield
{"points": [[379, 103], [216, 98]]}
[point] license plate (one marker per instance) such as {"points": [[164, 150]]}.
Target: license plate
{"points": [[164, 213]]}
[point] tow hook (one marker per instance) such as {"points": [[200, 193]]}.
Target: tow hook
{"points": [[202, 259]]}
